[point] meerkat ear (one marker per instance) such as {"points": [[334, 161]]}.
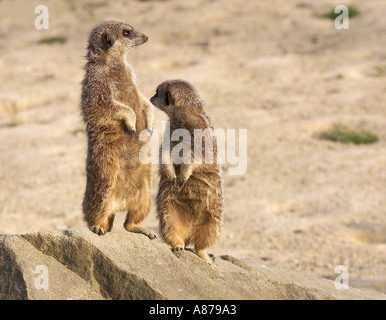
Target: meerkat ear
{"points": [[168, 98], [107, 41]]}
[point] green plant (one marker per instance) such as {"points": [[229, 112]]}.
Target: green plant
{"points": [[79, 130], [352, 12], [344, 134], [380, 71], [53, 39], [331, 276]]}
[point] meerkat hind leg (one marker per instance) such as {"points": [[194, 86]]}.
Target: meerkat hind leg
{"points": [[178, 247], [202, 254], [105, 226], [98, 230], [131, 227], [177, 242], [175, 238], [175, 228], [137, 212]]}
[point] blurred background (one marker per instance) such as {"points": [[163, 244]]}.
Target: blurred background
{"points": [[312, 98]]}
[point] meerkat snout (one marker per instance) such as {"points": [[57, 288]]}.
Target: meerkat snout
{"points": [[137, 37], [162, 98]]}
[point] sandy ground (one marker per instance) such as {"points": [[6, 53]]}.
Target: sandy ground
{"points": [[272, 67]]}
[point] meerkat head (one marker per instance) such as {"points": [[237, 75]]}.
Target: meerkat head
{"points": [[175, 96], [113, 39]]}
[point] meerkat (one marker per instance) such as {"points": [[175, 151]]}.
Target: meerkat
{"points": [[190, 198], [113, 111]]}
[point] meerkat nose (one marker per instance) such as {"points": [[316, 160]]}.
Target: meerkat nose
{"points": [[146, 38]]}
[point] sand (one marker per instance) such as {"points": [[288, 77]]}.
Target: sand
{"points": [[272, 67]]}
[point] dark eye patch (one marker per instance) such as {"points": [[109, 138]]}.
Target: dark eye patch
{"points": [[107, 41], [168, 98], [127, 33]]}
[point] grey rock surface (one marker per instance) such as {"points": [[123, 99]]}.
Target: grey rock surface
{"points": [[78, 264]]}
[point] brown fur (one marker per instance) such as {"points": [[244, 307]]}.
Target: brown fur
{"points": [[190, 197], [113, 111]]}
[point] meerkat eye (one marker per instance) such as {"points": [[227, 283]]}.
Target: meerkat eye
{"points": [[127, 33]]}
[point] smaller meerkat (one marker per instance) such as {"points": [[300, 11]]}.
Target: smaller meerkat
{"points": [[190, 198]]}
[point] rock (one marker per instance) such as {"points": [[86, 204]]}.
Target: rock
{"points": [[120, 265], [378, 284], [19, 260]]}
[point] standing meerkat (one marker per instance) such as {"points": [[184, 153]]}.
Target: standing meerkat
{"points": [[190, 198], [114, 110]]}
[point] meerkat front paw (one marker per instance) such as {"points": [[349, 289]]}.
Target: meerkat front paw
{"points": [[149, 115], [150, 131], [172, 179], [131, 126], [186, 171], [182, 181]]}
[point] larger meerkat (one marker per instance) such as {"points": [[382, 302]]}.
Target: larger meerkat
{"points": [[190, 197], [114, 110]]}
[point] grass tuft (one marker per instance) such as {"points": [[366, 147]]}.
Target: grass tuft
{"points": [[79, 130], [380, 71], [352, 12], [344, 134], [53, 39]]}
